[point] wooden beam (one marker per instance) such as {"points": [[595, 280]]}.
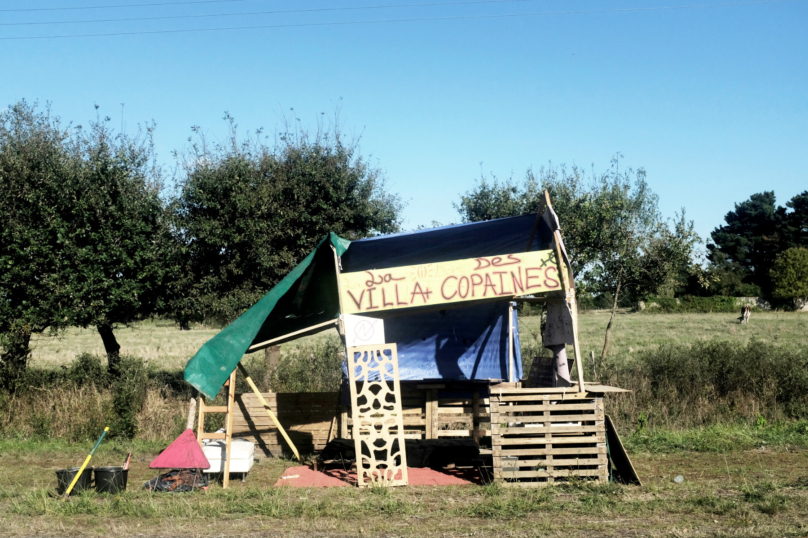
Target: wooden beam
{"points": [[291, 336]]}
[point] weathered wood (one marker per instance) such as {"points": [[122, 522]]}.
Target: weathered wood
{"points": [[290, 336]]}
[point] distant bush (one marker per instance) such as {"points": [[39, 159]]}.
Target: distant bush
{"points": [[690, 304], [713, 382]]}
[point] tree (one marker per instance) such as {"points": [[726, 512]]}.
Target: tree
{"points": [[86, 239], [614, 235], [34, 162], [570, 194], [116, 233], [750, 240], [789, 276], [247, 213]]}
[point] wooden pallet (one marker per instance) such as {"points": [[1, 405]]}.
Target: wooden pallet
{"points": [[538, 439]]}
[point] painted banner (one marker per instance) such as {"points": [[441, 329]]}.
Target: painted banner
{"points": [[472, 279]]}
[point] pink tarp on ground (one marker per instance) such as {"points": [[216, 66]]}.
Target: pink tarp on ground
{"points": [[183, 453], [304, 477]]}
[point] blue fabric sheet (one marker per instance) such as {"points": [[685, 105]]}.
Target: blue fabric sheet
{"points": [[456, 344]]}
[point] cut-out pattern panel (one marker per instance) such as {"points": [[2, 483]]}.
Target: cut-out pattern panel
{"points": [[378, 426]]}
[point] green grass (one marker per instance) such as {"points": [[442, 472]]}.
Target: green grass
{"points": [[168, 348], [760, 493], [634, 332]]}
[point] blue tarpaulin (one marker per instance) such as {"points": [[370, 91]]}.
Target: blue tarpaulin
{"points": [[456, 344]]}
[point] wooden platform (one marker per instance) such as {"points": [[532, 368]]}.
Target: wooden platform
{"points": [[431, 411], [540, 439]]}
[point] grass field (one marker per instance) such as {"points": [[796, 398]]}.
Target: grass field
{"points": [[168, 348], [741, 478], [740, 493]]}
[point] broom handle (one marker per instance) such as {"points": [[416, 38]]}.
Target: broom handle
{"points": [[268, 410], [84, 465]]}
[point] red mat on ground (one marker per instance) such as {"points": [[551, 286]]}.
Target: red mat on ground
{"points": [[305, 477], [183, 453]]}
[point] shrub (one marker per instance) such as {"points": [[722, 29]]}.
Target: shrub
{"points": [[129, 395], [790, 276], [690, 304]]}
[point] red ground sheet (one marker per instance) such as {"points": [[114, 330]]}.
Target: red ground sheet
{"points": [[305, 477]]}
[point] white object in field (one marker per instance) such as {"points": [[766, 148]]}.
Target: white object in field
{"points": [[242, 454], [363, 330]]}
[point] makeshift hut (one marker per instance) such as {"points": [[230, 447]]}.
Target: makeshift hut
{"points": [[448, 364]]}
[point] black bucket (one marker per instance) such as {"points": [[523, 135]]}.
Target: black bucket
{"points": [[110, 479], [65, 477]]}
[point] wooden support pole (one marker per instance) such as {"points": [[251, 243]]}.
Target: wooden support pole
{"points": [[228, 430], [268, 410], [511, 362]]}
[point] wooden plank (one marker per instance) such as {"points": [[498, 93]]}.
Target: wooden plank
{"points": [[214, 408], [523, 432], [507, 410], [523, 441], [548, 397], [212, 436], [497, 452], [292, 335], [533, 419], [545, 474]]}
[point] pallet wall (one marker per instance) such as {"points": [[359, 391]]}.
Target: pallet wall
{"points": [[538, 439], [431, 411]]}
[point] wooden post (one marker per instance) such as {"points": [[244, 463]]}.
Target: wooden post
{"points": [[475, 415], [343, 422], [568, 284], [272, 356], [511, 365], [428, 414], [432, 401], [228, 432]]}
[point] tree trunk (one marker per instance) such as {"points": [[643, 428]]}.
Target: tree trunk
{"points": [[14, 358], [111, 346], [609, 326]]}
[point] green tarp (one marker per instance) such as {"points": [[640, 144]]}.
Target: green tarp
{"points": [[286, 308]]}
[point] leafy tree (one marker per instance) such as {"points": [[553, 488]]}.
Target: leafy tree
{"points": [[116, 233], [616, 240], [34, 162], [790, 276], [248, 212], [86, 239], [571, 195]]}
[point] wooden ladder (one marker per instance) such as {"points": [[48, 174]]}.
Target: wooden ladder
{"points": [[227, 436]]}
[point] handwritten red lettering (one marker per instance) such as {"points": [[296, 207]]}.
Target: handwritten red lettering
{"points": [[489, 284], [370, 300], [399, 302], [359, 302], [475, 284], [502, 290], [385, 304], [517, 283], [460, 287], [528, 276], [554, 283], [417, 290], [443, 293]]}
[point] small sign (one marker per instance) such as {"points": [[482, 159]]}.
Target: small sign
{"points": [[363, 331]]}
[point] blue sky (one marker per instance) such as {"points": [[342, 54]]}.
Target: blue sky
{"points": [[711, 101]]}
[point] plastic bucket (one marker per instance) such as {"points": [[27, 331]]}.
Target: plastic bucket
{"points": [[110, 479], [65, 477]]}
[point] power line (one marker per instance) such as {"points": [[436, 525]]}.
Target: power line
{"points": [[276, 12], [119, 5], [415, 19]]}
